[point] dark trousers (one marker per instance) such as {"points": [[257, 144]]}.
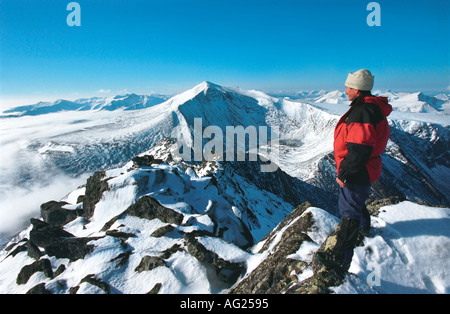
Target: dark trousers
{"points": [[352, 203], [354, 214]]}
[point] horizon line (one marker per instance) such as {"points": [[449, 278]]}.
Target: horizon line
{"points": [[9, 102]]}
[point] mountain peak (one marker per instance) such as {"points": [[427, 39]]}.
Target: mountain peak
{"points": [[206, 85], [203, 87]]}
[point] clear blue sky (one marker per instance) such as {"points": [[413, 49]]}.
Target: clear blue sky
{"points": [[172, 45]]}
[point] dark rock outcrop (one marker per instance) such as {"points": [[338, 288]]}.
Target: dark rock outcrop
{"points": [[145, 161], [73, 249], [58, 242], [150, 262], [39, 289], [92, 280], [148, 208], [27, 271], [225, 270], [273, 274], [44, 234], [95, 187], [54, 214]]}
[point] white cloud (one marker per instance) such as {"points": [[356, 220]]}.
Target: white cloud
{"points": [[104, 91], [20, 199], [17, 206]]}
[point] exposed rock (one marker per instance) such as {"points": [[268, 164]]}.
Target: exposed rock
{"points": [[72, 248], [53, 213], [277, 273], [289, 219], [27, 271], [18, 249], [60, 270], [122, 258], [39, 289], [172, 250], [323, 277], [44, 234], [374, 206], [226, 270], [120, 234], [155, 289], [14, 244], [150, 262], [319, 283], [33, 250], [95, 187], [145, 161], [91, 279], [162, 231], [58, 242], [273, 275], [148, 208]]}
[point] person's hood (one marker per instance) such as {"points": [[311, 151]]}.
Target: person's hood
{"points": [[381, 102]]}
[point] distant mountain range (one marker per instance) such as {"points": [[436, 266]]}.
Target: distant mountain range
{"points": [[125, 102], [405, 102]]}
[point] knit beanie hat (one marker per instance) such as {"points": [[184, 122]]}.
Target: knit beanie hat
{"points": [[360, 80]]}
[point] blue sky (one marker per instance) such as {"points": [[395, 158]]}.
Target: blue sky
{"points": [[169, 46]]}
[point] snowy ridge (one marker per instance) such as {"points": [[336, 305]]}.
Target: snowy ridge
{"points": [[405, 254], [124, 102], [194, 237], [208, 219], [333, 97]]}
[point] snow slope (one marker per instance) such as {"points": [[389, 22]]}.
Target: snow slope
{"points": [[205, 251], [211, 215], [410, 252], [407, 253]]}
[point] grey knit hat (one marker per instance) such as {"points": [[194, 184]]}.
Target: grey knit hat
{"points": [[360, 80]]}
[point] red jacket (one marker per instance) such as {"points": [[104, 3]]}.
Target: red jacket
{"points": [[360, 138]]}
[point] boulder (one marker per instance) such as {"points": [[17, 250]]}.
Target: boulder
{"points": [[149, 208], [58, 242], [44, 234], [225, 270], [27, 271], [39, 289], [145, 161], [150, 262], [54, 214], [95, 187]]}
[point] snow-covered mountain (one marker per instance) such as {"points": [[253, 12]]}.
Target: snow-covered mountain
{"points": [[150, 223], [333, 97], [419, 102], [125, 102]]}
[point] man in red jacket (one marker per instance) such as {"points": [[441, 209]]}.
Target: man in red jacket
{"points": [[360, 138]]}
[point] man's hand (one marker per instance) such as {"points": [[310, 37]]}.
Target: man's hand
{"points": [[341, 184]]}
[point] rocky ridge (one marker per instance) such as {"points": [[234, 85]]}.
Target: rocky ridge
{"points": [[173, 229]]}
